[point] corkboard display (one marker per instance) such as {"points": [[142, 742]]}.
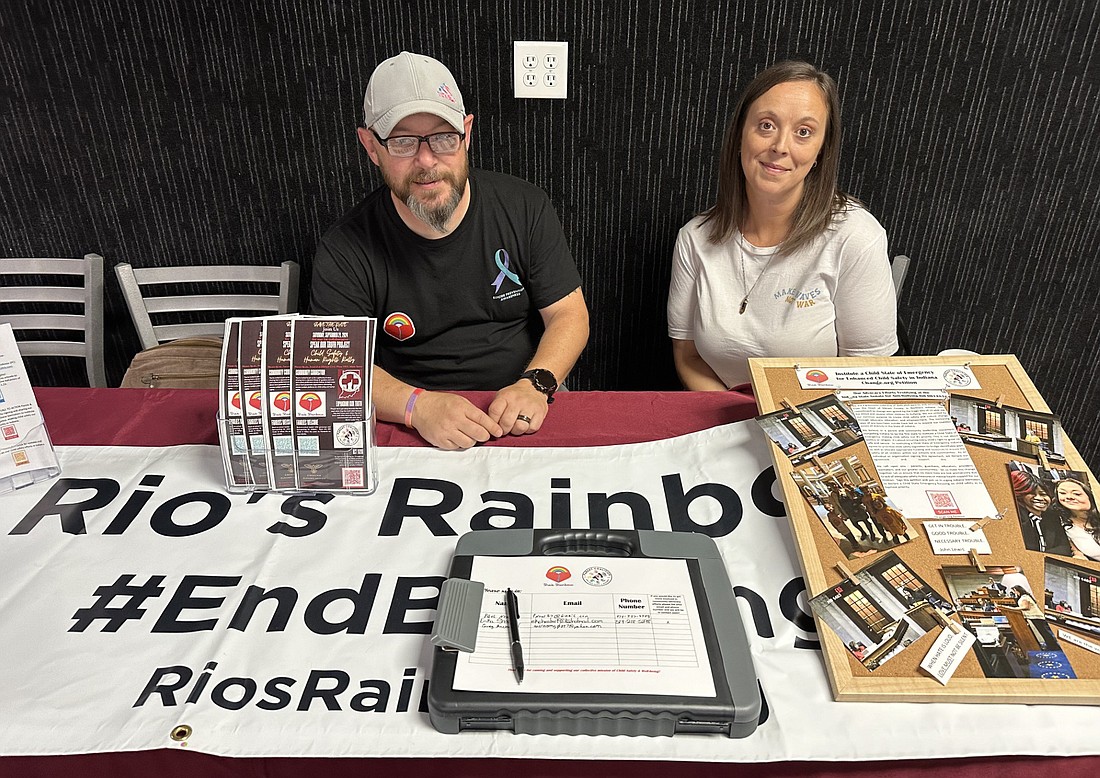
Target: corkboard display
{"points": [[900, 679]]}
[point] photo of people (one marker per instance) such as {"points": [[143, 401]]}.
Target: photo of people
{"points": [[1072, 596], [1009, 621], [1057, 511], [1025, 432], [853, 507], [881, 610], [812, 429]]}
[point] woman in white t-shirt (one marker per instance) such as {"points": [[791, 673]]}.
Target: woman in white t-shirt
{"points": [[784, 264], [1075, 506]]}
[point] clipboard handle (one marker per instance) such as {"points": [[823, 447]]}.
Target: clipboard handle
{"points": [[587, 543]]}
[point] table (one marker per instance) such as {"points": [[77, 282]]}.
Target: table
{"points": [[172, 417]]}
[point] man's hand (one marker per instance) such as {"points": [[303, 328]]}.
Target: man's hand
{"points": [[449, 421], [519, 408]]}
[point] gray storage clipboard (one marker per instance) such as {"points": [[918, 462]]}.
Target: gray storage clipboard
{"points": [[734, 710]]}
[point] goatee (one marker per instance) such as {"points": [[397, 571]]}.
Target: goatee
{"points": [[436, 216]]}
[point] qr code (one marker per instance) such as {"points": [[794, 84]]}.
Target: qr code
{"points": [[284, 445], [309, 446], [351, 477], [943, 503]]}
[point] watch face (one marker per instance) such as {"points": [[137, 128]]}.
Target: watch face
{"points": [[543, 380]]}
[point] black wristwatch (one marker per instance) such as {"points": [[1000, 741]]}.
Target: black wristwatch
{"points": [[544, 381]]}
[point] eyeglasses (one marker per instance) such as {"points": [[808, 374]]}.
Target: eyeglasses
{"points": [[409, 145]]}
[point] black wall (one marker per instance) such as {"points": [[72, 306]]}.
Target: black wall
{"points": [[223, 131]]}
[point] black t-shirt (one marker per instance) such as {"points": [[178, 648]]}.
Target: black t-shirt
{"points": [[459, 312]]}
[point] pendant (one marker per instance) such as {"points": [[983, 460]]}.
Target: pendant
{"points": [[744, 304]]}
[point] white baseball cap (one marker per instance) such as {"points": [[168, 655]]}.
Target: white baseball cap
{"points": [[407, 84]]}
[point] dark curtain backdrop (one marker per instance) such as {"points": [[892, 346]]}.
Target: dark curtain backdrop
{"points": [[214, 131]]}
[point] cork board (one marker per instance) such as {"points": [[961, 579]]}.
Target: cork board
{"points": [[900, 679]]}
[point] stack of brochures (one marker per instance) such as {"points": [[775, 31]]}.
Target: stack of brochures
{"points": [[26, 454], [295, 412]]}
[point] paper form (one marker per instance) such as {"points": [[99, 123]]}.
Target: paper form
{"points": [[600, 625], [922, 463]]}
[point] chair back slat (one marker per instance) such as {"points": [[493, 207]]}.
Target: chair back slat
{"points": [[204, 312], [54, 308]]}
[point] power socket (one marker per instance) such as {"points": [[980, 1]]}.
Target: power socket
{"points": [[540, 69]]}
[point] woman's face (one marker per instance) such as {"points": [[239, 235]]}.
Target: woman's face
{"points": [[782, 136], [1036, 501], [1072, 496]]}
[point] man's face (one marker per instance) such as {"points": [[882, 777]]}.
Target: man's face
{"points": [[430, 184]]}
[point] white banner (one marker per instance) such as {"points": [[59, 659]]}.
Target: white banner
{"points": [[138, 596]]}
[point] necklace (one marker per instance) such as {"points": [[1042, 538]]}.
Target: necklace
{"points": [[744, 282]]}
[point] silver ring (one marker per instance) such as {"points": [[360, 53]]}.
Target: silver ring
{"points": [[521, 417]]}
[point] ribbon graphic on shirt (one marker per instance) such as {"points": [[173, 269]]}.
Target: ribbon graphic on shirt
{"points": [[505, 270]]}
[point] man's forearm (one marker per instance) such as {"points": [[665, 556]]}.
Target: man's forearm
{"points": [[564, 337], [390, 396]]}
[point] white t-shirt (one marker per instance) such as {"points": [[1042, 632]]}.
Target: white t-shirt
{"points": [[1084, 541], [833, 297]]}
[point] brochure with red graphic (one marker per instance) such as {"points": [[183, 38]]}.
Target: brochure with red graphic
{"points": [[275, 388], [251, 367], [233, 443], [26, 454], [332, 407]]}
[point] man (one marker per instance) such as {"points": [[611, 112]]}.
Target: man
{"points": [[467, 271]]}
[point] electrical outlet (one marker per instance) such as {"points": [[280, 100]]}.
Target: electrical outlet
{"points": [[540, 69]]}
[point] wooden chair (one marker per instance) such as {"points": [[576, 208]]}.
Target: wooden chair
{"points": [[40, 309], [155, 292]]}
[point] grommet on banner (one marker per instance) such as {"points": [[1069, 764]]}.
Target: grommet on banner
{"points": [[973, 554], [180, 733]]}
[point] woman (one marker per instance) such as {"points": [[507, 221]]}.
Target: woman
{"points": [[784, 264], [1075, 506], [1041, 530], [1035, 616]]}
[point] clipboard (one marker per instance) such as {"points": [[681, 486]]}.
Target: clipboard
{"points": [[733, 709]]}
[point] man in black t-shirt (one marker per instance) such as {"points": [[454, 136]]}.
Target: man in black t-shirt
{"points": [[468, 272]]}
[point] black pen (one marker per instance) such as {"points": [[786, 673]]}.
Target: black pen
{"points": [[511, 605]]}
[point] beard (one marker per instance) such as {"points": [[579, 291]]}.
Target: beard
{"points": [[437, 211]]}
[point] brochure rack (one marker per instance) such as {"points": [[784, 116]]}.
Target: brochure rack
{"points": [[295, 410]]}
